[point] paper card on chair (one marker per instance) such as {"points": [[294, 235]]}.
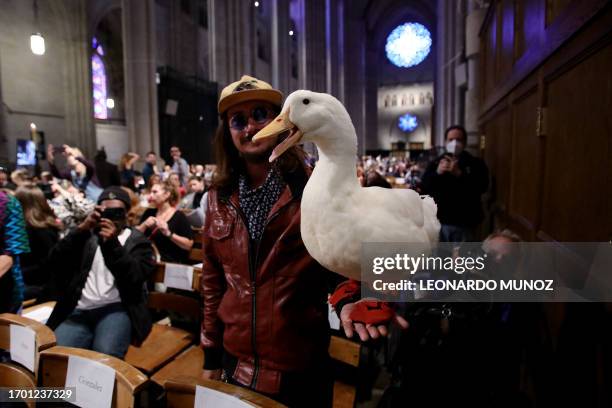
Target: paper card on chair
{"points": [[178, 276], [23, 346], [332, 316], [40, 314], [94, 382], [207, 397]]}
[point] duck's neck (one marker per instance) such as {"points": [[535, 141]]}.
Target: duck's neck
{"points": [[337, 162]]}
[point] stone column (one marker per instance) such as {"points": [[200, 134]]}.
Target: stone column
{"points": [[449, 54], [355, 73], [76, 69], [312, 46], [473, 22], [139, 70], [232, 40], [280, 45]]}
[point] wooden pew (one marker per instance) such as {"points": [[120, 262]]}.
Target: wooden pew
{"points": [[345, 352], [165, 342], [45, 338], [129, 382], [189, 363], [180, 392], [197, 252], [13, 375], [39, 312]]}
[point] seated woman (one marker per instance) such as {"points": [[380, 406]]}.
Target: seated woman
{"points": [[43, 230], [166, 227]]}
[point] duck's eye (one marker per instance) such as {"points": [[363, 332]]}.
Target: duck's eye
{"points": [[306, 101]]}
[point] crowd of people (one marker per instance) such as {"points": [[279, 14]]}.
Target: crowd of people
{"points": [[163, 204], [88, 234]]}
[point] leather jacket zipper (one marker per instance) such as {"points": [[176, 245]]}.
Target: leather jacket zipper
{"points": [[252, 273], [252, 276], [256, 373]]}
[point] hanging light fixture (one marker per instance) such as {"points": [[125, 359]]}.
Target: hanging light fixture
{"points": [[37, 41]]}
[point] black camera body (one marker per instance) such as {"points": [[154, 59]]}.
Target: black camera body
{"points": [[113, 214]]}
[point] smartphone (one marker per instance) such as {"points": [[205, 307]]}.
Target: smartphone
{"points": [[58, 149]]}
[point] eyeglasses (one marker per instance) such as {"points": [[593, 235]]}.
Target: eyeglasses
{"points": [[240, 121]]}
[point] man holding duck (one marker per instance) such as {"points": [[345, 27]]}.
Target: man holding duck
{"points": [[265, 309]]}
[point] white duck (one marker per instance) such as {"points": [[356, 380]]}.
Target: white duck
{"points": [[337, 213]]}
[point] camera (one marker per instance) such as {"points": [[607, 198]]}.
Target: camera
{"points": [[113, 214]]}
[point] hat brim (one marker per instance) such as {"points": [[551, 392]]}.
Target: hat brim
{"points": [[268, 95]]}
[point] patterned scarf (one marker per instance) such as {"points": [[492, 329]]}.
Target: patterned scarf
{"points": [[257, 203]]}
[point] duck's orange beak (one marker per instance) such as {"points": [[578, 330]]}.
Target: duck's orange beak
{"points": [[289, 135]]}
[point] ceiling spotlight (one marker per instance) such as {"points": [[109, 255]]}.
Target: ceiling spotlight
{"points": [[110, 103], [291, 33], [37, 44], [256, 4]]}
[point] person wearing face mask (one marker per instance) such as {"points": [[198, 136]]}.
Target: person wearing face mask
{"points": [[456, 180], [101, 269]]}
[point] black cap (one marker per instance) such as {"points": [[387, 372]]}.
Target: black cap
{"points": [[116, 193]]}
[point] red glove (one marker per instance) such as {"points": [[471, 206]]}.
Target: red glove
{"points": [[345, 291], [372, 312]]}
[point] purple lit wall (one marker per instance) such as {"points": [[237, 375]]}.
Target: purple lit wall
{"points": [[98, 74]]}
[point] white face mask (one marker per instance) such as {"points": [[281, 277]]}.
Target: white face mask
{"points": [[454, 147]]}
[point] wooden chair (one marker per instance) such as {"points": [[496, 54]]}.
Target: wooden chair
{"points": [[39, 312], [197, 252], [45, 338], [344, 352], [180, 392], [13, 375], [165, 342], [129, 382], [189, 363]]}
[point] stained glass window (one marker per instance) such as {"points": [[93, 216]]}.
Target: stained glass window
{"points": [[98, 74], [408, 122], [408, 45]]}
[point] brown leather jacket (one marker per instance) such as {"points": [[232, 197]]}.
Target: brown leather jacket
{"points": [[264, 304]]}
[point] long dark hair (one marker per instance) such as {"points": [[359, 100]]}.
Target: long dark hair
{"points": [[230, 165], [36, 211]]}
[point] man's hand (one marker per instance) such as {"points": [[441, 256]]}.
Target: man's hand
{"points": [[108, 229], [92, 220], [364, 331], [212, 374], [6, 263], [444, 166], [454, 168], [68, 151]]}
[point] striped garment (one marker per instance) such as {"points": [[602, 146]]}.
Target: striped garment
{"points": [[15, 241]]}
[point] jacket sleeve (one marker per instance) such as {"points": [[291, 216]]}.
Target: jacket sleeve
{"points": [[90, 168], [64, 174], [131, 269], [212, 289], [63, 259], [431, 179]]}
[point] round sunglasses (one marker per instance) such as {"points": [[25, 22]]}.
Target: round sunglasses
{"points": [[240, 120]]}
